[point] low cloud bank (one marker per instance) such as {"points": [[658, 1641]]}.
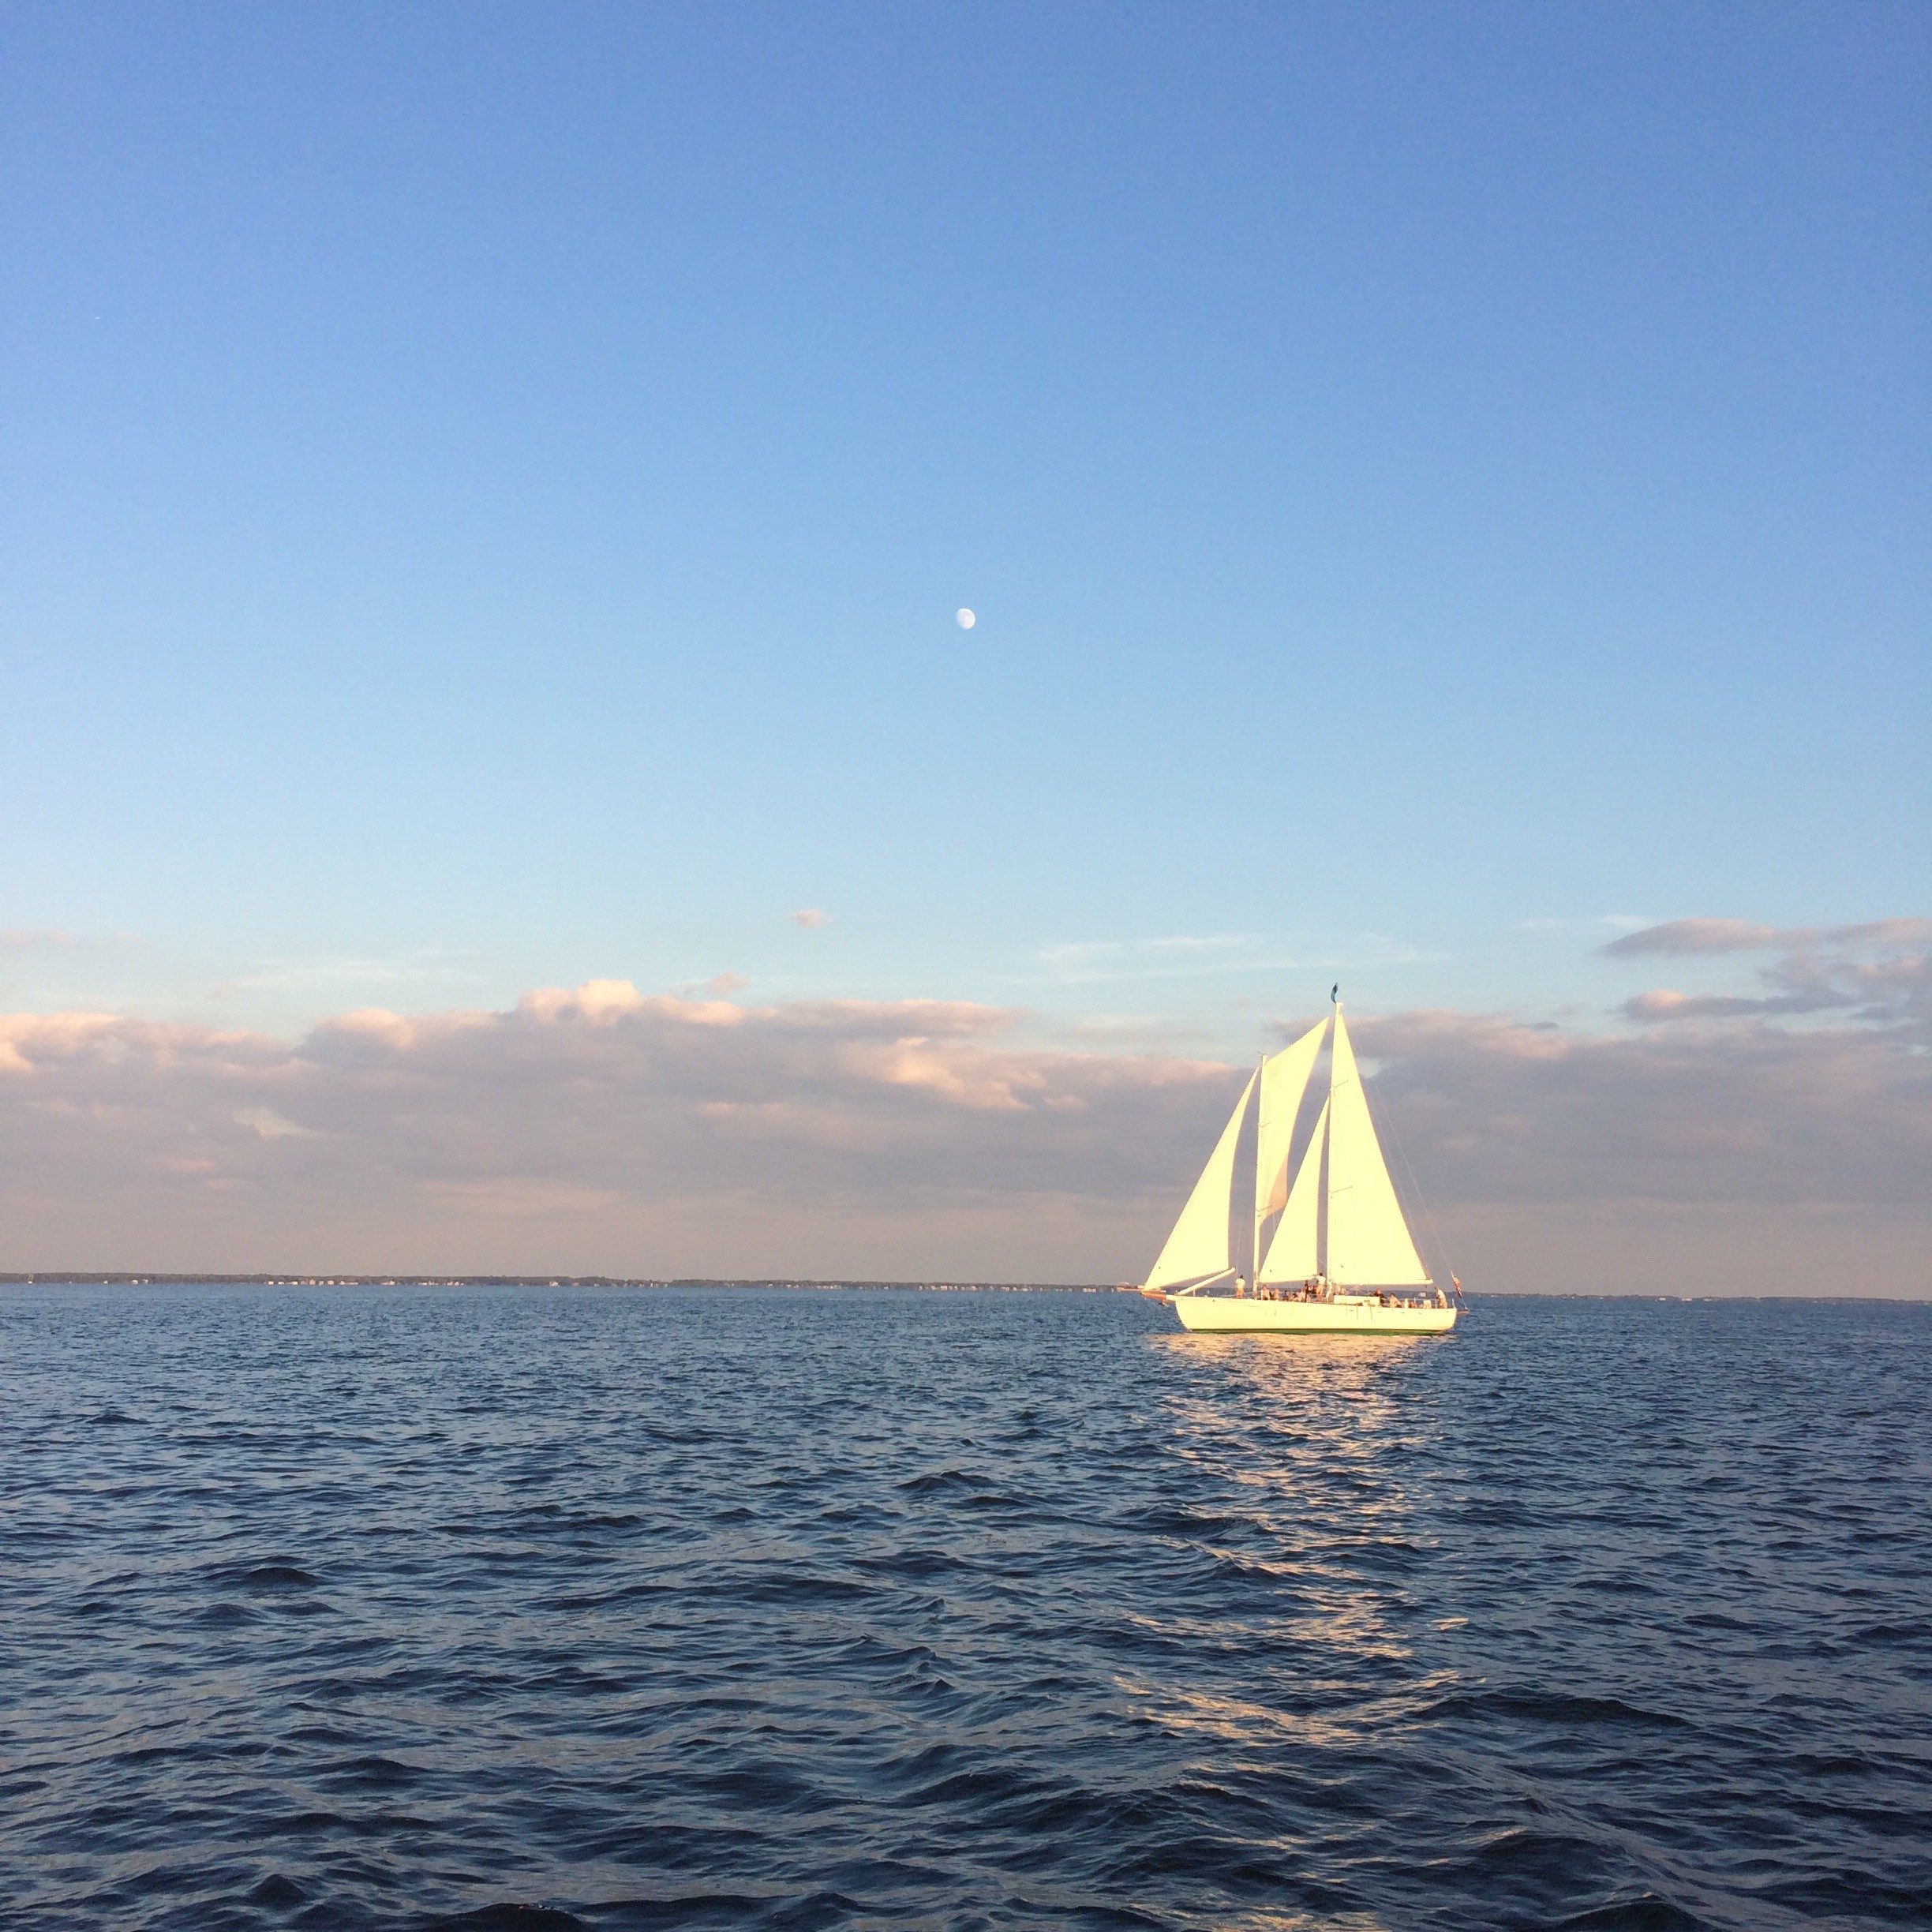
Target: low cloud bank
{"points": [[600, 1130]]}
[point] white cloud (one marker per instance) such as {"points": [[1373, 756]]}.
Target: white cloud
{"points": [[270, 1124], [1596, 922], [720, 986]]}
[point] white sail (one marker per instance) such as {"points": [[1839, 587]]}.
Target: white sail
{"points": [[1284, 1079], [1198, 1247], [1369, 1240], [1291, 1253]]}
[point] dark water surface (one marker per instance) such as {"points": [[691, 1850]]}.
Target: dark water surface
{"points": [[407, 1608]]}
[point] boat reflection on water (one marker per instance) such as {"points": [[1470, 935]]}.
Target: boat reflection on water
{"points": [[1313, 1621]]}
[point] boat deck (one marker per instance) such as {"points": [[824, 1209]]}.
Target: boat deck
{"points": [[1245, 1315]]}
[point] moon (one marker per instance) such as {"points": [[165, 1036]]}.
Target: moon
{"points": [[964, 619]]}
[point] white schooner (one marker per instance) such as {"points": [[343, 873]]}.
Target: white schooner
{"points": [[1340, 1256]]}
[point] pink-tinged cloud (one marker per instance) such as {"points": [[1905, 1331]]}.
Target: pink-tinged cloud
{"points": [[599, 1129], [1724, 1110], [1692, 935], [629, 1134], [1662, 1005], [23, 939], [811, 919], [1877, 973], [1731, 935]]}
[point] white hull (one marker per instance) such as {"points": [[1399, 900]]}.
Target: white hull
{"points": [[1244, 1315]]}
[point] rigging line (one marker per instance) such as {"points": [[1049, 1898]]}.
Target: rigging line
{"points": [[1416, 1193]]}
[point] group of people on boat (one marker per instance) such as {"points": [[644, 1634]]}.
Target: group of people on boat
{"points": [[1316, 1289]]}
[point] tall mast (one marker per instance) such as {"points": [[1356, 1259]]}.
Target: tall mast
{"points": [[1254, 1267], [1327, 1179]]}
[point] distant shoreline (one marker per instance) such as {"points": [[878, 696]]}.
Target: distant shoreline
{"points": [[81, 1279], [77, 1277]]}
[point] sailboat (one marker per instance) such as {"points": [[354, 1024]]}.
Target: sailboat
{"points": [[1340, 1258]]}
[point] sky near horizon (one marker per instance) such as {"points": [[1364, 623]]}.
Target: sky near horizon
{"points": [[485, 492]]}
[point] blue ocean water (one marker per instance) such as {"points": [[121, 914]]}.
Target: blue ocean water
{"points": [[407, 1608]]}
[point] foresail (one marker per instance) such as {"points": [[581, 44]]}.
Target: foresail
{"points": [[1369, 1240], [1284, 1079], [1291, 1253], [1198, 1247]]}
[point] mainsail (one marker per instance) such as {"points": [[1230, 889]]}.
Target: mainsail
{"points": [[1369, 1240], [1198, 1247]]}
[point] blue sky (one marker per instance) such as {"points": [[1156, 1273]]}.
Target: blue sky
{"points": [[484, 491]]}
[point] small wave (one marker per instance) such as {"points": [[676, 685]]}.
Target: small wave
{"points": [[1647, 1914], [916, 1562], [1870, 1895], [511, 1919], [1183, 1523], [320, 1734], [941, 1482], [370, 1774], [264, 1578], [783, 1587], [1553, 1709], [1528, 1852], [225, 1616]]}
